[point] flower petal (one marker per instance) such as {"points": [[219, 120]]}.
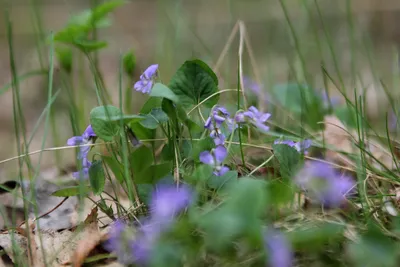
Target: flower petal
{"points": [[222, 170], [208, 123], [88, 132], [168, 200], [75, 140], [264, 117], [207, 158], [279, 249], [220, 153], [151, 71], [82, 174]]}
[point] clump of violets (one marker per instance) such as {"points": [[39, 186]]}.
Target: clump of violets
{"points": [[83, 142], [215, 158], [279, 250], [145, 84], [323, 184], [255, 117], [166, 203], [219, 115], [301, 147]]}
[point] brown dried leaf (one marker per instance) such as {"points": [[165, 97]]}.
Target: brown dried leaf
{"points": [[91, 237], [337, 137]]}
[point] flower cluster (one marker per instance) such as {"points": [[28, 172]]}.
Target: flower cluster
{"points": [[219, 115], [218, 118], [255, 117], [166, 203], [324, 184], [301, 147], [83, 141], [215, 158], [145, 84]]}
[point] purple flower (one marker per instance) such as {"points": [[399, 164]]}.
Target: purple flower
{"points": [[119, 241], [219, 115], [215, 158], [145, 84], [279, 250], [218, 136], [255, 117], [168, 200], [83, 141], [324, 184], [301, 146]]}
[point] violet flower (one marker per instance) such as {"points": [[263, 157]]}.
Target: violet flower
{"points": [[219, 115], [119, 242], [215, 158], [279, 250], [167, 201], [323, 184], [83, 141], [301, 147], [255, 117], [145, 84]]}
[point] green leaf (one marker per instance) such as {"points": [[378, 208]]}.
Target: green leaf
{"points": [[152, 102], [313, 237], [141, 132], [64, 55], [201, 174], [221, 228], [89, 45], [144, 192], [281, 192], [101, 11], [102, 123], [200, 146], [115, 167], [71, 191], [374, 249], [160, 90], [156, 117], [154, 173], [193, 82], [96, 177], [129, 63], [217, 182], [140, 159], [288, 158], [245, 191]]}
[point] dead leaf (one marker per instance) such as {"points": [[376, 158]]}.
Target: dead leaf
{"points": [[90, 238], [338, 137]]}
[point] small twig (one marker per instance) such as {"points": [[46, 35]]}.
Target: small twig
{"points": [[226, 47], [48, 212]]}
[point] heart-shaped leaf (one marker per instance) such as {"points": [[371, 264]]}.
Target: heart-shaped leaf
{"points": [[193, 82]]}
